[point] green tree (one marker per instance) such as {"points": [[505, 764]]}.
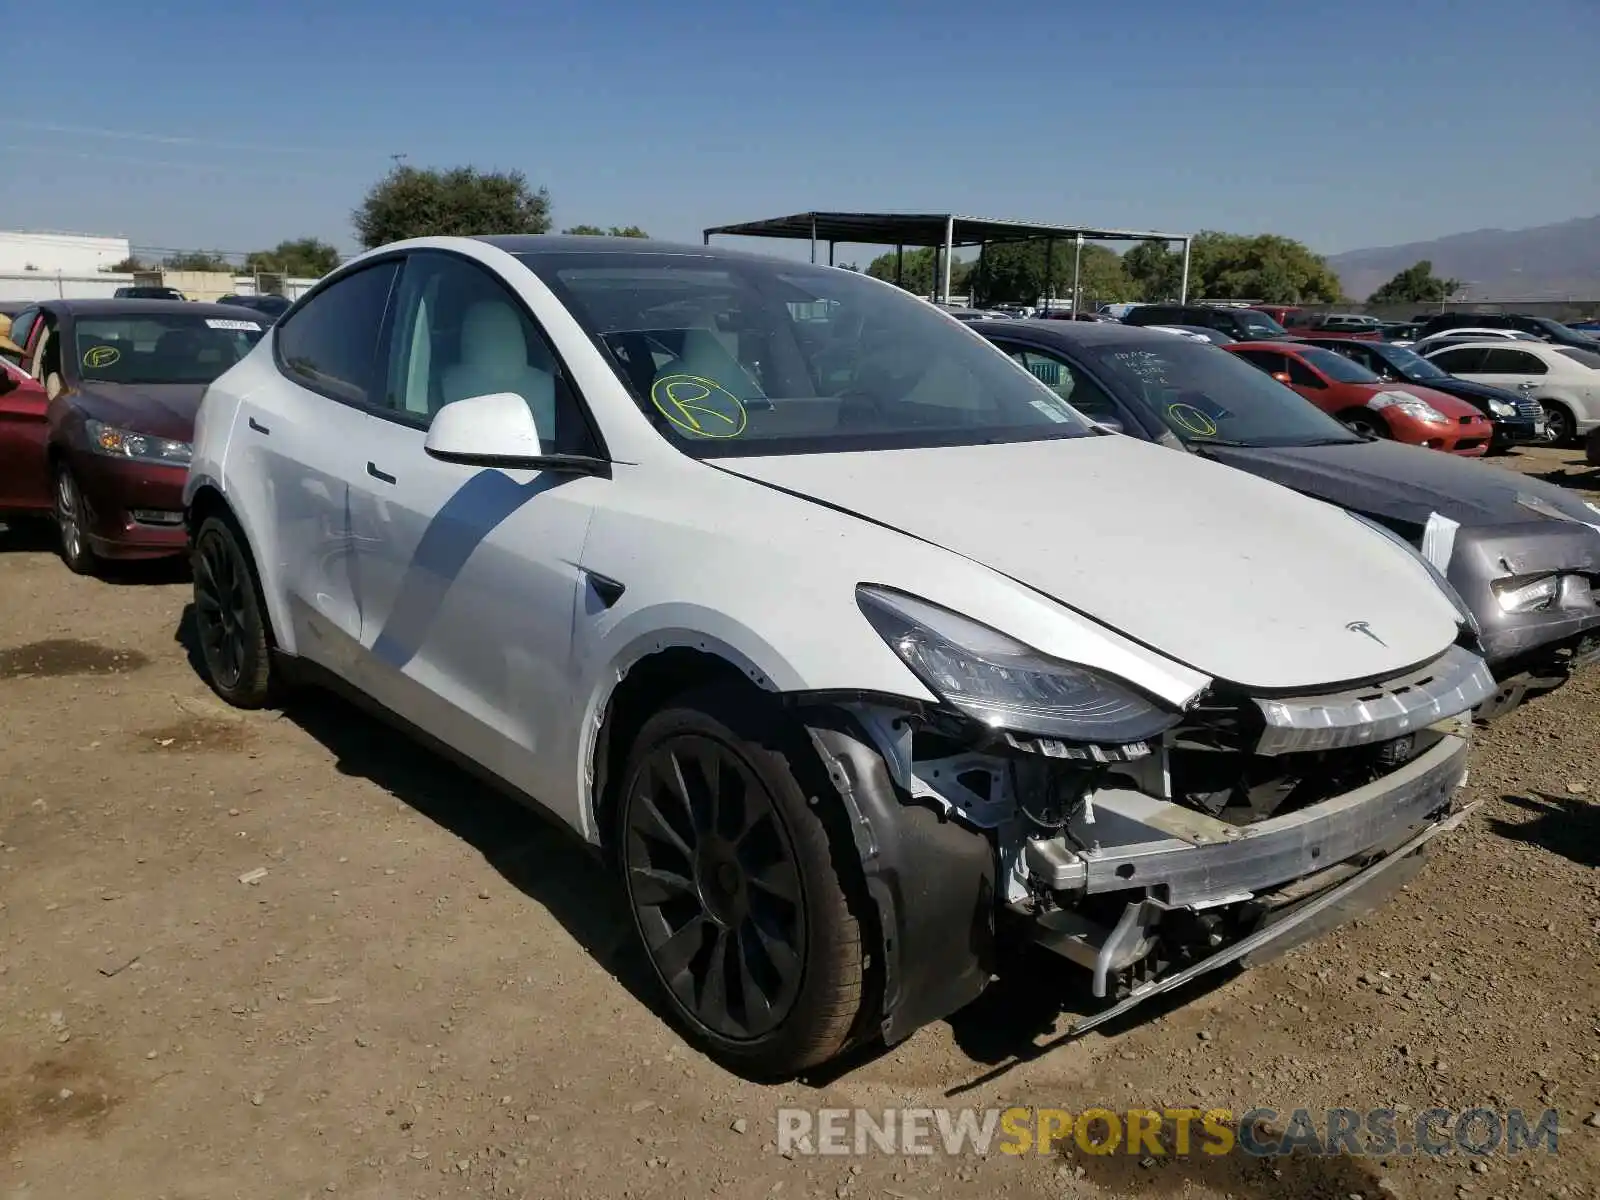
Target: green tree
{"points": [[307, 258], [1230, 266], [1417, 284], [1154, 272], [1018, 272], [417, 202], [127, 266], [918, 270], [197, 260], [632, 231]]}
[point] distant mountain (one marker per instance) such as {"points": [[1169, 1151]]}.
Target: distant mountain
{"points": [[1549, 262]]}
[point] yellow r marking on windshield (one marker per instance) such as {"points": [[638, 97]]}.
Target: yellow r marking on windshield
{"points": [[1192, 419], [100, 356], [699, 406]]}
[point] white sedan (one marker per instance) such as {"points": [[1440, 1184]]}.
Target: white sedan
{"points": [[850, 644], [1563, 379]]}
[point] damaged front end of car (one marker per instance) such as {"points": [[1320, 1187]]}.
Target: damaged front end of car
{"points": [[1532, 587], [1186, 840]]}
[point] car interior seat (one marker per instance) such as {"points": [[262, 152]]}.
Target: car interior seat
{"points": [[705, 356], [494, 358]]}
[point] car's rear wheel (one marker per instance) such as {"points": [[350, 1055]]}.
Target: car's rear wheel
{"points": [[1365, 425], [72, 522], [736, 891], [232, 629], [1559, 427]]}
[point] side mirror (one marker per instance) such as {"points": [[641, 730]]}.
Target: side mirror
{"points": [[497, 430], [1281, 376]]}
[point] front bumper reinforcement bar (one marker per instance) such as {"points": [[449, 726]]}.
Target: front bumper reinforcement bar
{"points": [[1280, 929]]}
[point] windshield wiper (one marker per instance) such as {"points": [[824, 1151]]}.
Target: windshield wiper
{"points": [[1210, 441]]}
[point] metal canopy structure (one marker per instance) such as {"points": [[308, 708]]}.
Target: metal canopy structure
{"points": [[944, 232]]}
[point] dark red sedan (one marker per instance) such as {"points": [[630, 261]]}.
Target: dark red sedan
{"points": [[100, 431]]}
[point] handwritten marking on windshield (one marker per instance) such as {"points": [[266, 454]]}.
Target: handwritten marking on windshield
{"points": [[699, 406], [1192, 419]]}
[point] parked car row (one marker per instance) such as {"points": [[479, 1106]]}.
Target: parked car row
{"points": [[859, 646]]}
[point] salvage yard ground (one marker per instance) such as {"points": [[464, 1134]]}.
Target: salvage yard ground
{"points": [[284, 955]]}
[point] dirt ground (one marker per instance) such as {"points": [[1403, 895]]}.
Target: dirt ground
{"points": [[285, 955]]}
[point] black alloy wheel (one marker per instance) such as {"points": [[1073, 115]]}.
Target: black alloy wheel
{"points": [[715, 887], [228, 618], [725, 835]]}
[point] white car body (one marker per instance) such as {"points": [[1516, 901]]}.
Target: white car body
{"points": [[500, 609], [1455, 336], [1183, 333], [1556, 376]]}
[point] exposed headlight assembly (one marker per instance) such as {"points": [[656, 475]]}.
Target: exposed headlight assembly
{"points": [[1005, 684], [140, 447], [1417, 409], [1527, 593]]}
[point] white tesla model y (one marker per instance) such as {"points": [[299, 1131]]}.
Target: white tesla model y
{"points": [[854, 647]]}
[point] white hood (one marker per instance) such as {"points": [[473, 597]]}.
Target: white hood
{"points": [[1229, 574]]}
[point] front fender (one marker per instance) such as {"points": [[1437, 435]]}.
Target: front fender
{"points": [[637, 634]]}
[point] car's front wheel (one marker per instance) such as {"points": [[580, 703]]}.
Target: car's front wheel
{"points": [[232, 629], [72, 522], [1559, 427], [735, 887]]}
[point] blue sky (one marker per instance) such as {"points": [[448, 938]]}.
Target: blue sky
{"points": [[1346, 124]]}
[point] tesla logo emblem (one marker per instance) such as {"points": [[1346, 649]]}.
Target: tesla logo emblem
{"points": [[1363, 627]]}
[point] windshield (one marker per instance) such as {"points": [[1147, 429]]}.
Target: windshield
{"points": [[160, 347], [744, 357], [1588, 358], [1337, 367], [1556, 328], [1204, 394], [1258, 324], [1412, 366]]}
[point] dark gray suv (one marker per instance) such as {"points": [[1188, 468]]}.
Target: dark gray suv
{"points": [[1241, 324]]}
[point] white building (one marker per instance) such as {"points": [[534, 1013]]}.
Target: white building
{"points": [[60, 253]]}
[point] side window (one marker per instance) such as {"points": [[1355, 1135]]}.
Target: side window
{"points": [[458, 333], [1458, 362], [331, 345], [1301, 375], [1365, 358], [1068, 382], [1267, 360], [21, 324], [1513, 362]]}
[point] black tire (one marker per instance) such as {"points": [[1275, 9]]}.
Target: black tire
{"points": [[1559, 427], [72, 522], [1364, 424], [756, 889], [234, 642]]}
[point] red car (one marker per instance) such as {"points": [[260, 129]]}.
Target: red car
{"points": [[1406, 412], [24, 486], [97, 427]]}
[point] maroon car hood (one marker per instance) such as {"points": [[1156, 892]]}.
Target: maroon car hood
{"points": [[164, 410]]}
